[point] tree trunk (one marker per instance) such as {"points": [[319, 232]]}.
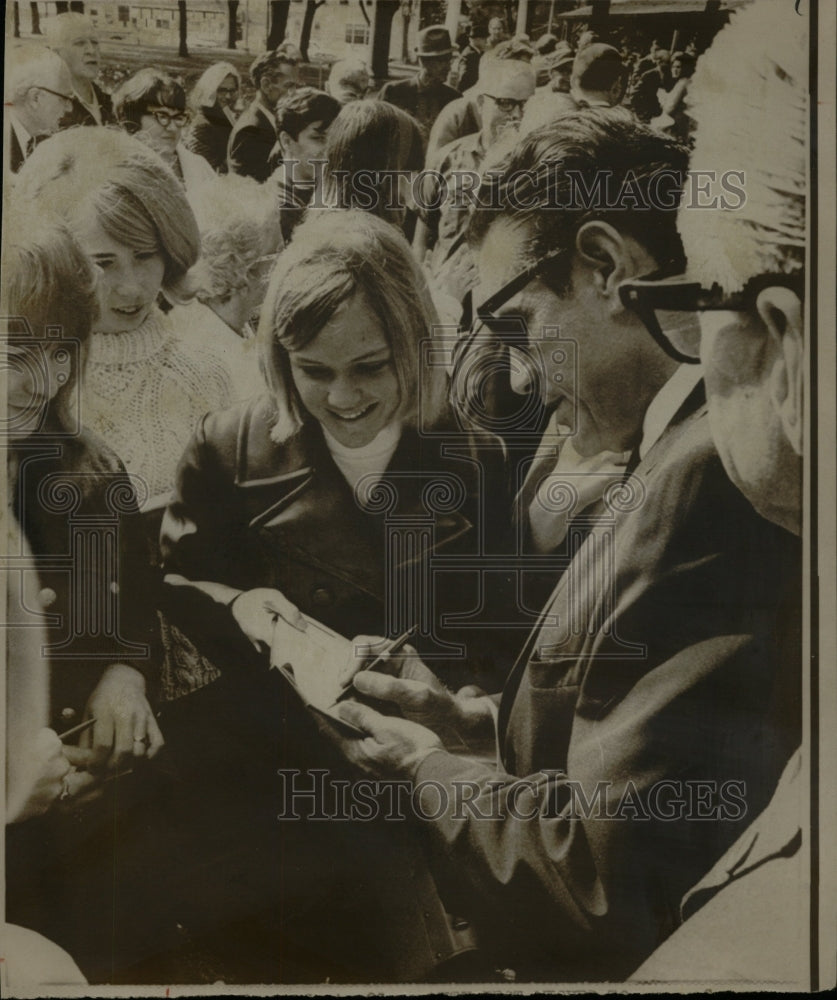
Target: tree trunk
{"points": [[383, 13], [35, 15], [311, 8], [278, 23], [232, 26], [406, 16], [183, 49]]}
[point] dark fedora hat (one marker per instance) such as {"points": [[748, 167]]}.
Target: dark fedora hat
{"points": [[434, 41]]}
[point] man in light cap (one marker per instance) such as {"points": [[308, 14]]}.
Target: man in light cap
{"points": [[553, 100], [39, 93], [504, 87], [73, 36], [598, 76], [746, 920], [348, 81], [426, 93]]}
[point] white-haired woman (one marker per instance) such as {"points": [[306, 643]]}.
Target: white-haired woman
{"points": [[212, 102], [240, 238]]}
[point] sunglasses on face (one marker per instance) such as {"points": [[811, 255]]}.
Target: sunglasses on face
{"points": [[670, 306], [166, 118]]}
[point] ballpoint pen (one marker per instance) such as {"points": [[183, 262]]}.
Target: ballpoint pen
{"points": [[381, 657]]}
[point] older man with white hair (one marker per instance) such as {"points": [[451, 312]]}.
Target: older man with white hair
{"points": [[74, 37], [38, 95], [503, 88], [746, 920]]}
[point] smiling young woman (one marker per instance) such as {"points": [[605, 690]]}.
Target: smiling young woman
{"points": [[282, 492], [147, 382]]}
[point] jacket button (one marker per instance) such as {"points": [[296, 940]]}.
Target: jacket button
{"points": [[68, 714], [47, 597], [321, 596]]}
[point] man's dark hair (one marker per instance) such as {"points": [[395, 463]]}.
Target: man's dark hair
{"points": [[592, 164], [284, 55], [302, 107]]}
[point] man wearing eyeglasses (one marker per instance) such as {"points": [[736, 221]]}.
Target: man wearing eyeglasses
{"points": [[39, 94], [636, 733], [273, 74], [505, 85], [747, 918]]}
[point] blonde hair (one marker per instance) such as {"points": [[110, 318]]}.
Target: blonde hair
{"points": [[137, 199], [335, 255], [48, 285], [205, 92]]}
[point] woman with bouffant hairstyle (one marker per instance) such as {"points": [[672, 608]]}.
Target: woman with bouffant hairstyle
{"points": [[147, 382], [152, 105]]}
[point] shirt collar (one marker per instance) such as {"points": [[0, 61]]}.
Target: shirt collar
{"points": [[23, 136], [666, 403], [265, 110], [92, 106]]}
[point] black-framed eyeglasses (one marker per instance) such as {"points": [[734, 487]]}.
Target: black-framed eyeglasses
{"points": [[509, 104], [505, 328], [166, 118], [55, 93], [669, 306]]}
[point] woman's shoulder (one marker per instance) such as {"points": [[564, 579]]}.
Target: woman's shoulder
{"points": [[241, 441]]}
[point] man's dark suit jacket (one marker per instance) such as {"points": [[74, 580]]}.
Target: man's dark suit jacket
{"points": [[251, 141], [469, 68], [423, 103], [650, 685], [16, 156], [79, 115]]}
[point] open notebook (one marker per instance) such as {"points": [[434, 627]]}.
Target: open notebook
{"points": [[312, 661]]}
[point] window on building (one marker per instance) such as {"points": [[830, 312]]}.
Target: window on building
{"points": [[123, 13], [357, 34]]}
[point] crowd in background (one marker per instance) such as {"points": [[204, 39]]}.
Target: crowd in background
{"points": [[219, 349]]}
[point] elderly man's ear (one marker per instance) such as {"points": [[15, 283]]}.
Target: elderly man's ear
{"points": [[781, 312]]}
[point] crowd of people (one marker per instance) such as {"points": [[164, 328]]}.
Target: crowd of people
{"points": [[396, 364]]}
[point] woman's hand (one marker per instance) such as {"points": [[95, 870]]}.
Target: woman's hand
{"points": [[465, 717], [125, 726], [39, 774], [256, 612]]}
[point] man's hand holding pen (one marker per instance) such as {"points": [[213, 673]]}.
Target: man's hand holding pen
{"points": [[434, 717]]}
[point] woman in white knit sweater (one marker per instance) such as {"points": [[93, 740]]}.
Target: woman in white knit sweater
{"points": [[147, 382]]}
